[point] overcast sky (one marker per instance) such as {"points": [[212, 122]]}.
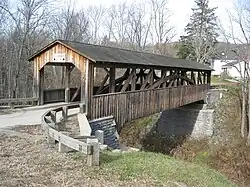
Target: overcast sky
{"points": [[181, 10]]}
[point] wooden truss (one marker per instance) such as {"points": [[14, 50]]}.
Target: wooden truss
{"points": [[141, 79]]}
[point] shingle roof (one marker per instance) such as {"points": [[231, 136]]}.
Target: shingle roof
{"points": [[106, 54]]}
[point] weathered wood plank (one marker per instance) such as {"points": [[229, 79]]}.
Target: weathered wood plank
{"points": [[135, 104]]}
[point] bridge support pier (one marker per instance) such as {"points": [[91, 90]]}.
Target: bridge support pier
{"points": [[195, 119]]}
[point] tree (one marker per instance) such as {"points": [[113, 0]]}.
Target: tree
{"points": [[240, 35], [117, 23], [70, 24], [25, 30], [185, 49], [96, 16], [138, 27], [161, 31], [201, 33]]}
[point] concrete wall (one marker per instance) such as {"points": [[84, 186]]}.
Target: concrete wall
{"points": [[214, 95], [194, 120]]}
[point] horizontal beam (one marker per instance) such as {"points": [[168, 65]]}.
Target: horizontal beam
{"points": [[140, 66], [17, 100]]}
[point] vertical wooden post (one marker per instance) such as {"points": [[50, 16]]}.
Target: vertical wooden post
{"points": [[183, 74], [50, 140], [93, 159], [84, 82], [41, 86], [133, 80], [199, 78], [82, 108], [87, 85], [209, 77], [65, 113], [67, 84], [193, 77], [178, 79], [112, 80], [100, 136], [163, 74], [61, 147], [204, 77], [53, 119], [36, 80], [151, 79], [82, 87], [90, 87]]}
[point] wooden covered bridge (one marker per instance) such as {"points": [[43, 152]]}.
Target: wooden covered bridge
{"points": [[135, 84]]}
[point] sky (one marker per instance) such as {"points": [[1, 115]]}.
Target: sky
{"points": [[180, 9]]}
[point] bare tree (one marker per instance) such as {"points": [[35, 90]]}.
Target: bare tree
{"points": [[96, 16], [161, 31], [116, 24], [70, 24], [138, 26], [241, 37], [28, 23]]}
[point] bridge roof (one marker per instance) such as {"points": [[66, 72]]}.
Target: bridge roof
{"points": [[104, 54]]}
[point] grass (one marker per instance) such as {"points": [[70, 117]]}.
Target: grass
{"points": [[159, 168], [137, 128], [215, 80], [226, 152]]}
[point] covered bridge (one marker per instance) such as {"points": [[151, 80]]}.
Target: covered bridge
{"points": [[149, 83]]}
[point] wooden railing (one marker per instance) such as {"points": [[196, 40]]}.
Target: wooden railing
{"points": [[88, 145], [127, 106], [12, 102]]}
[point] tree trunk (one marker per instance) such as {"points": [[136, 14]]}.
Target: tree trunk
{"points": [[243, 110], [248, 122]]}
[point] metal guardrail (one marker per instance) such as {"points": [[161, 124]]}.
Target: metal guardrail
{"points": [[88, 145]]}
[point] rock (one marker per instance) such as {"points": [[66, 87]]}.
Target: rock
{"points": [[103, 147], [116, 151], [131, 149], [181, 184]]}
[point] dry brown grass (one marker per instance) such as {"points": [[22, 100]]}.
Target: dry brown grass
{"points": [[227, 151], [27, 160]]}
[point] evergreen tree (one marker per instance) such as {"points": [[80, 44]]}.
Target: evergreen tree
{"points": [[201, 34], [185, 49]]}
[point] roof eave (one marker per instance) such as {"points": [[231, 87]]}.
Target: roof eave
{"points": [[62, 43], [41, 50]]}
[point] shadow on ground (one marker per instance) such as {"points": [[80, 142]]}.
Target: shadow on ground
{"points": [[161, 132]]}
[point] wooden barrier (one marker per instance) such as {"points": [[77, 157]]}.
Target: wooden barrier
{"points": [[126, 106], [88, 145], [18, 101]]}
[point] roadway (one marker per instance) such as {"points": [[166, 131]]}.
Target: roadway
{"points": [[27, 116]]}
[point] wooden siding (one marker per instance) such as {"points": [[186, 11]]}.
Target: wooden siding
{"points": [[70, 57], [47, 57], [136, 104]]}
